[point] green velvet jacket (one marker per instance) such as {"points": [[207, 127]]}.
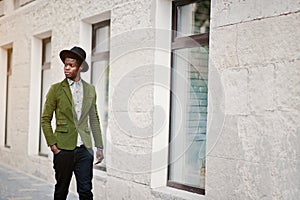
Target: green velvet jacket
{"points": [[59, 100]]}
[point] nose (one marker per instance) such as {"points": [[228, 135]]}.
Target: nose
{"points": [[67, 66]]}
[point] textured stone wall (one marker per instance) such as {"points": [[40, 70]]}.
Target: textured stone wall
{"points": [[254, 111], [253, 141], [131, 86]]}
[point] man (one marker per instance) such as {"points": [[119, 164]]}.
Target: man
{"points": [[74, 103]]}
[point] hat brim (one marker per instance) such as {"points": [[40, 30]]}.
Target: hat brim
{"points": [[85, 66], [69, 54]]}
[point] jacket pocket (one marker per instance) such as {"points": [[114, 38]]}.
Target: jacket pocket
{"points": [[61, 122], [61, 129], [61, 126]]}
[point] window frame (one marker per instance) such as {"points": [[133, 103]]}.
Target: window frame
{"points": [[8, 75], [45, 66], [20, 3], [1, 8], [185, 42], [181, 43], [99, 56]]}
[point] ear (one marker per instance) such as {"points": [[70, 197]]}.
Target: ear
{"points": [[80, 68]]}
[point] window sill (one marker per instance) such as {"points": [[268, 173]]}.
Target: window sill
{"points": [[6, 148], [170, 193]]}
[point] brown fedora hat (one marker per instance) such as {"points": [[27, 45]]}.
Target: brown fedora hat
{"points": [[75, 53]]}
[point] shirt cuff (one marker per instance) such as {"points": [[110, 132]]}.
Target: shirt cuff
{"points": [[99, 148]]}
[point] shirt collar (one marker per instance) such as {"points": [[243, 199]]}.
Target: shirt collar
{"points": [[71, 82]]}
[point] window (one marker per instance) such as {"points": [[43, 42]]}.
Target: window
{"points": [[45, 84], [1, 8], [100, 74], [188, 111], [20, 3], [7, 136]]}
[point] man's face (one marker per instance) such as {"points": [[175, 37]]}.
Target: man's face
{"points": [[71, 69]]}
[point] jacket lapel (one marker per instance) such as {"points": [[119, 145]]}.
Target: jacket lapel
{"points": [[67, 90], [86, 100]]}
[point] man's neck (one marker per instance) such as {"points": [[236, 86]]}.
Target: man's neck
{"points": [[76, 79]]}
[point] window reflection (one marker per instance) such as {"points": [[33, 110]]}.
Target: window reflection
{"points": [[193, 18]]}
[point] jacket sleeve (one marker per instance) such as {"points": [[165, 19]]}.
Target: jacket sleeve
{"points": [[94, 123], [47, 115]]}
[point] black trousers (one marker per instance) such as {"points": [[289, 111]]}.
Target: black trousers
{"points": [[79, 161]]}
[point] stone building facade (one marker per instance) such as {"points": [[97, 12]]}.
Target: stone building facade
{"points": [[242, 84]]}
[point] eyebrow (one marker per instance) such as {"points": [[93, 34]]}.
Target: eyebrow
{"points": [[71, 64]]}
